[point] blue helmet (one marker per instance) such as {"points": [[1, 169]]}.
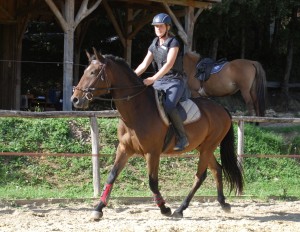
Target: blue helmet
{"points": [[161, 18]]}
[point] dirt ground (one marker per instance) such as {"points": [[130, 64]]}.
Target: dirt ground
{"points": [[245, 216]]}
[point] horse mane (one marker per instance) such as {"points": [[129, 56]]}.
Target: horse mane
{"points": [[120, 61], [123, 63]]}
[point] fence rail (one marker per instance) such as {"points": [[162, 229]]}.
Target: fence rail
{"points": [[93, 115]]}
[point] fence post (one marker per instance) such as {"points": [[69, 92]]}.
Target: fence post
{"points": [[95, 155], [240, 148]]}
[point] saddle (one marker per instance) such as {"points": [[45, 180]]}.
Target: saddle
{"points": [[208, 66], [188, 110]]}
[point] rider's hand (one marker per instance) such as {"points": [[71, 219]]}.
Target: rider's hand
{"points": [[149, 81]]}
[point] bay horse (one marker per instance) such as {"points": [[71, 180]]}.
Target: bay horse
{"points": [[246, 76], [140, 123]]}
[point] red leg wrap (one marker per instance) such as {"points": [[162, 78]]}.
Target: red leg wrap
{"points": [[106, 193], [158, 199]]}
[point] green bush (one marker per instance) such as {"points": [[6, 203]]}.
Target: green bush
{"points": [[51, 176]]}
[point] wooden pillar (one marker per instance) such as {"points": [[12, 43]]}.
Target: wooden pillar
{"points": [[240, 149], [8, 69], [68, 54], [69, 23], [95, 153], [190, 19], [21, 27], [128, 47], [189, 28]]}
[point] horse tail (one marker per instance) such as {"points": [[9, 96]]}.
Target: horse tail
{"points": [[231, 167], [260, 88]]}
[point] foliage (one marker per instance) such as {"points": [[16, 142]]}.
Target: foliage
{"points": [[49, 176], [262, 27], [40, 135]]}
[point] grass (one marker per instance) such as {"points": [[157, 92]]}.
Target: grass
{"points": [[71, 177]]}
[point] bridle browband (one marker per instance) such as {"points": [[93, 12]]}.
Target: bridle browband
{"points": [[102, 76]]}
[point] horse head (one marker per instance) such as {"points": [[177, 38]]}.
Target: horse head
{"points": [[93, 81]]}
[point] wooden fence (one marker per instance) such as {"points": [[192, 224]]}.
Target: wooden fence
{"points": [[93, 115]]}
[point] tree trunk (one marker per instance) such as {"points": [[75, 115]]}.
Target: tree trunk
{"points": [[289, 62], [286, 78]]}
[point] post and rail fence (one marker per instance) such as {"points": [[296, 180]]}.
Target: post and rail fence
{"points": [[93, 115]]}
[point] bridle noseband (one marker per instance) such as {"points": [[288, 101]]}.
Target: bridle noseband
{"points": [[100, 76], [88, 92]]}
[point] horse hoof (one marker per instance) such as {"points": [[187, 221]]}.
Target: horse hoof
{"points": [[177, 214], [96, 215], [166, 211], [226, 207]]}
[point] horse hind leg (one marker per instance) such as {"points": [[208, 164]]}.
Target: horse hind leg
{"points": [[216, 170], [248, 101], [199, 179], [255, 101], [178, 213]]}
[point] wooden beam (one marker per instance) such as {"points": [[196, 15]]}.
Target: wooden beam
{"points": [[5, 14], [181, 31], [84, 11], [199, 11], [58, 14], [140, 24], [195, 4]]}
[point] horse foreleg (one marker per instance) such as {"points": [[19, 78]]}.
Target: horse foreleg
{"points": [[119, 164], [216, 170], [199, 179], [153, 165], [158, 199]]}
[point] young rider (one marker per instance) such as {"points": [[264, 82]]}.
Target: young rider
{"points": [[164, 51]]}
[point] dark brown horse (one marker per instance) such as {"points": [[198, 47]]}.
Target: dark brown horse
{"points": [[245, 75], [140, 122]]}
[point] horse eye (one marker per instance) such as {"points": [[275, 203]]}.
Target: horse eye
{"points": [[94, 73]]}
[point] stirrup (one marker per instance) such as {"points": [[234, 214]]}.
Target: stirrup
{"points": [[181, 144]]}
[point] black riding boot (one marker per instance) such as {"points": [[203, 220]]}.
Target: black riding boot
{"points": [[182, 141]]}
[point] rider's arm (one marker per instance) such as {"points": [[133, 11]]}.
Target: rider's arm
{"points": [[145, 64]]}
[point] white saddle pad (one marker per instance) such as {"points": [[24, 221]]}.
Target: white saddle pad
{"points": [[191, 109]]}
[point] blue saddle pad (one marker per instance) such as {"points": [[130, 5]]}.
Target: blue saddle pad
{"points": [[217, 68]]}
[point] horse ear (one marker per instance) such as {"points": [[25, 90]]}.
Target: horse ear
{"points": [[88, 55], [99, 56]]}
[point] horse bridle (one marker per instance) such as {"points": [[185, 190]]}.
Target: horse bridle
{"points": [[102, 76]]}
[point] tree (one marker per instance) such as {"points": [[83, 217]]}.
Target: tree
{"points": [[292, 28]]}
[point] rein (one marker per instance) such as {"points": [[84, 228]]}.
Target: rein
{"points": [[90, 96], [123, 98]]}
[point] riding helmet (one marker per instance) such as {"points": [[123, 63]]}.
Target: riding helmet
{"points": [[161, 18]]}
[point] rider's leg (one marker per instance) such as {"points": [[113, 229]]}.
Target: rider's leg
{"points": [[173, 95], [182, 141]]}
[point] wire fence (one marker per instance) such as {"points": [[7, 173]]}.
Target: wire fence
{"points": [[93, 115]]}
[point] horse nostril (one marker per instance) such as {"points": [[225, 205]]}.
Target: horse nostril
{"points": [[75, 100]]}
